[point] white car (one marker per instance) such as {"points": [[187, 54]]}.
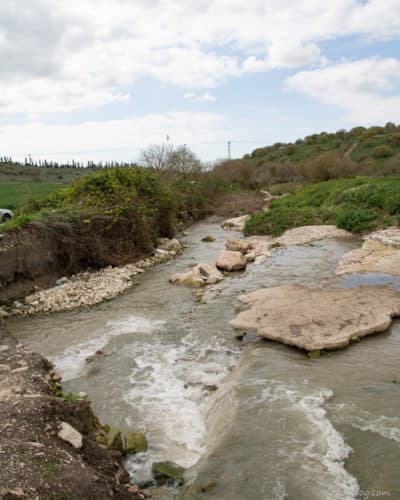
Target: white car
{"points": [[5, 215]]}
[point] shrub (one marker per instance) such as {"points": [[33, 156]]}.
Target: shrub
{"points": [[382, 152]]}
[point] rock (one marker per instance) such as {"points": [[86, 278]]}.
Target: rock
{"points": [[315, 319], [70, 435], [237, 223], [380, 253], [307, 234], [202, 274], [209, 486], [135, 442], [240, 336], [208, 239], [3, 314], [231, 261], [238, 245], [169, 245], [114, 440], [168, 473]]}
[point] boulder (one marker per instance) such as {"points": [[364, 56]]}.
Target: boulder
{"points": [[315, 319], [238, 245], [202, 274], [70, 435], [231, 261], [168, 473], [135, 442]]}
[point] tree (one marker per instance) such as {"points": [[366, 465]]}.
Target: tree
{"points": [[167, 158]]}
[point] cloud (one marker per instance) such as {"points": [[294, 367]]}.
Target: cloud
{"points": [[206, 97], [62, 56], [113, 139], [367, 89]]}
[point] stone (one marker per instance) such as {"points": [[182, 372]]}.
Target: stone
{"points": [[70, 435], [236, 223], [114, 440], [380, 253], [315, 319], [231, 261], [168, 473], [239, 245], [209, 486], [208, 239], [202, 274], [3, 314], [135, 442]]}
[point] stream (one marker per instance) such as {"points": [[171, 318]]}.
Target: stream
{"points": [[259, 418]]}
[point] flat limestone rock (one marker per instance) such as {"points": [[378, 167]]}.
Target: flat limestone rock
{"points": [[231, 261], [236, 224], [380, 253], [314, 319], [307, 234], [202, 274]]}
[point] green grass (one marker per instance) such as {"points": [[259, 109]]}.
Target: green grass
{"points": [[359, 204], [14, 195]]}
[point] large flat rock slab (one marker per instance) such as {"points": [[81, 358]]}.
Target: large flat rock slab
{"points": [[380, 253], [314, 319]]}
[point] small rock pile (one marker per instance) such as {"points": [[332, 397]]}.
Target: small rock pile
{"points": [[89, 288]]}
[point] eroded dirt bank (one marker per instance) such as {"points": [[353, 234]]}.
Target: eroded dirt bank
{"points": [[39, 253], [34, 461]]}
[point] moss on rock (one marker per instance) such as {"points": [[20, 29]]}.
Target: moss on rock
{"points": [[135, 442], [168, 473]]}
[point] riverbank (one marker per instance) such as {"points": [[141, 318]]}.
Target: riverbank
{"points": [[35, 461]]}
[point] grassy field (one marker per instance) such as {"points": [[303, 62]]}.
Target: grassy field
{"points": [[357, 204], [14, 195]]}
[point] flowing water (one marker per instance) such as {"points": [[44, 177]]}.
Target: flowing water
{"points": [[260, 419]]}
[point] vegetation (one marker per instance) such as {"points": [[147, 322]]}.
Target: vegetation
{"points": [[358, 204], [14, 195]]}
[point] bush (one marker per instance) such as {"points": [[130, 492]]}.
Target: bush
{"points": [[382, 152], [355, 219]]}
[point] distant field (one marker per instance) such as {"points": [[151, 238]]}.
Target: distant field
{"points": [[15, 194]]}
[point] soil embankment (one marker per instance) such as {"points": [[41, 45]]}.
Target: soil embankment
{"points": [[38, 254], [34, 461]]}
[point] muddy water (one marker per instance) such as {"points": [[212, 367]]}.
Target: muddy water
{"points": [[259, 418]]}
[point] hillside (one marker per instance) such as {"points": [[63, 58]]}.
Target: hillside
{"points": [[377, 147]]}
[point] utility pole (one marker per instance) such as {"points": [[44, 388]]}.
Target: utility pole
{"points": [[229, 150]]}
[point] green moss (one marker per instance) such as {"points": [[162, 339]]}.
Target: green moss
{"points": [[168, 473], [314, 354], [135, 442], [114, 440], [208, 239]]}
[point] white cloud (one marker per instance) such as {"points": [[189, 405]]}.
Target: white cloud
{"points": [[60, 56], [206, 97], [114, 139], [368, 89]]}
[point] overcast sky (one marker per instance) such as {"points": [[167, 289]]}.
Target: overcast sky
{"points": [[101, 79]]}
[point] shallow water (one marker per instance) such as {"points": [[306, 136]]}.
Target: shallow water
{"points": [[259, 418]]}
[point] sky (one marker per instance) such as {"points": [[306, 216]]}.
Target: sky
{"points": [[100, 80]]}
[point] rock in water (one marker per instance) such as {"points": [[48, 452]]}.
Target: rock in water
{"points": [[238, 245], [231, 261], [168, 473], [114, 440], [315, 319], [135, 442], [202, 274], [70, 435]]}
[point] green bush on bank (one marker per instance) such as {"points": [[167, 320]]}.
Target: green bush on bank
{"points": [[359, 204]]}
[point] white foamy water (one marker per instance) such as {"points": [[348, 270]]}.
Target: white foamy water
{"points": [[387, 427], [73, 360], [323, 451], [171, 386]]}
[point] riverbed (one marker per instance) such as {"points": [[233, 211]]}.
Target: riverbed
{"points": [[260, 419]]}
